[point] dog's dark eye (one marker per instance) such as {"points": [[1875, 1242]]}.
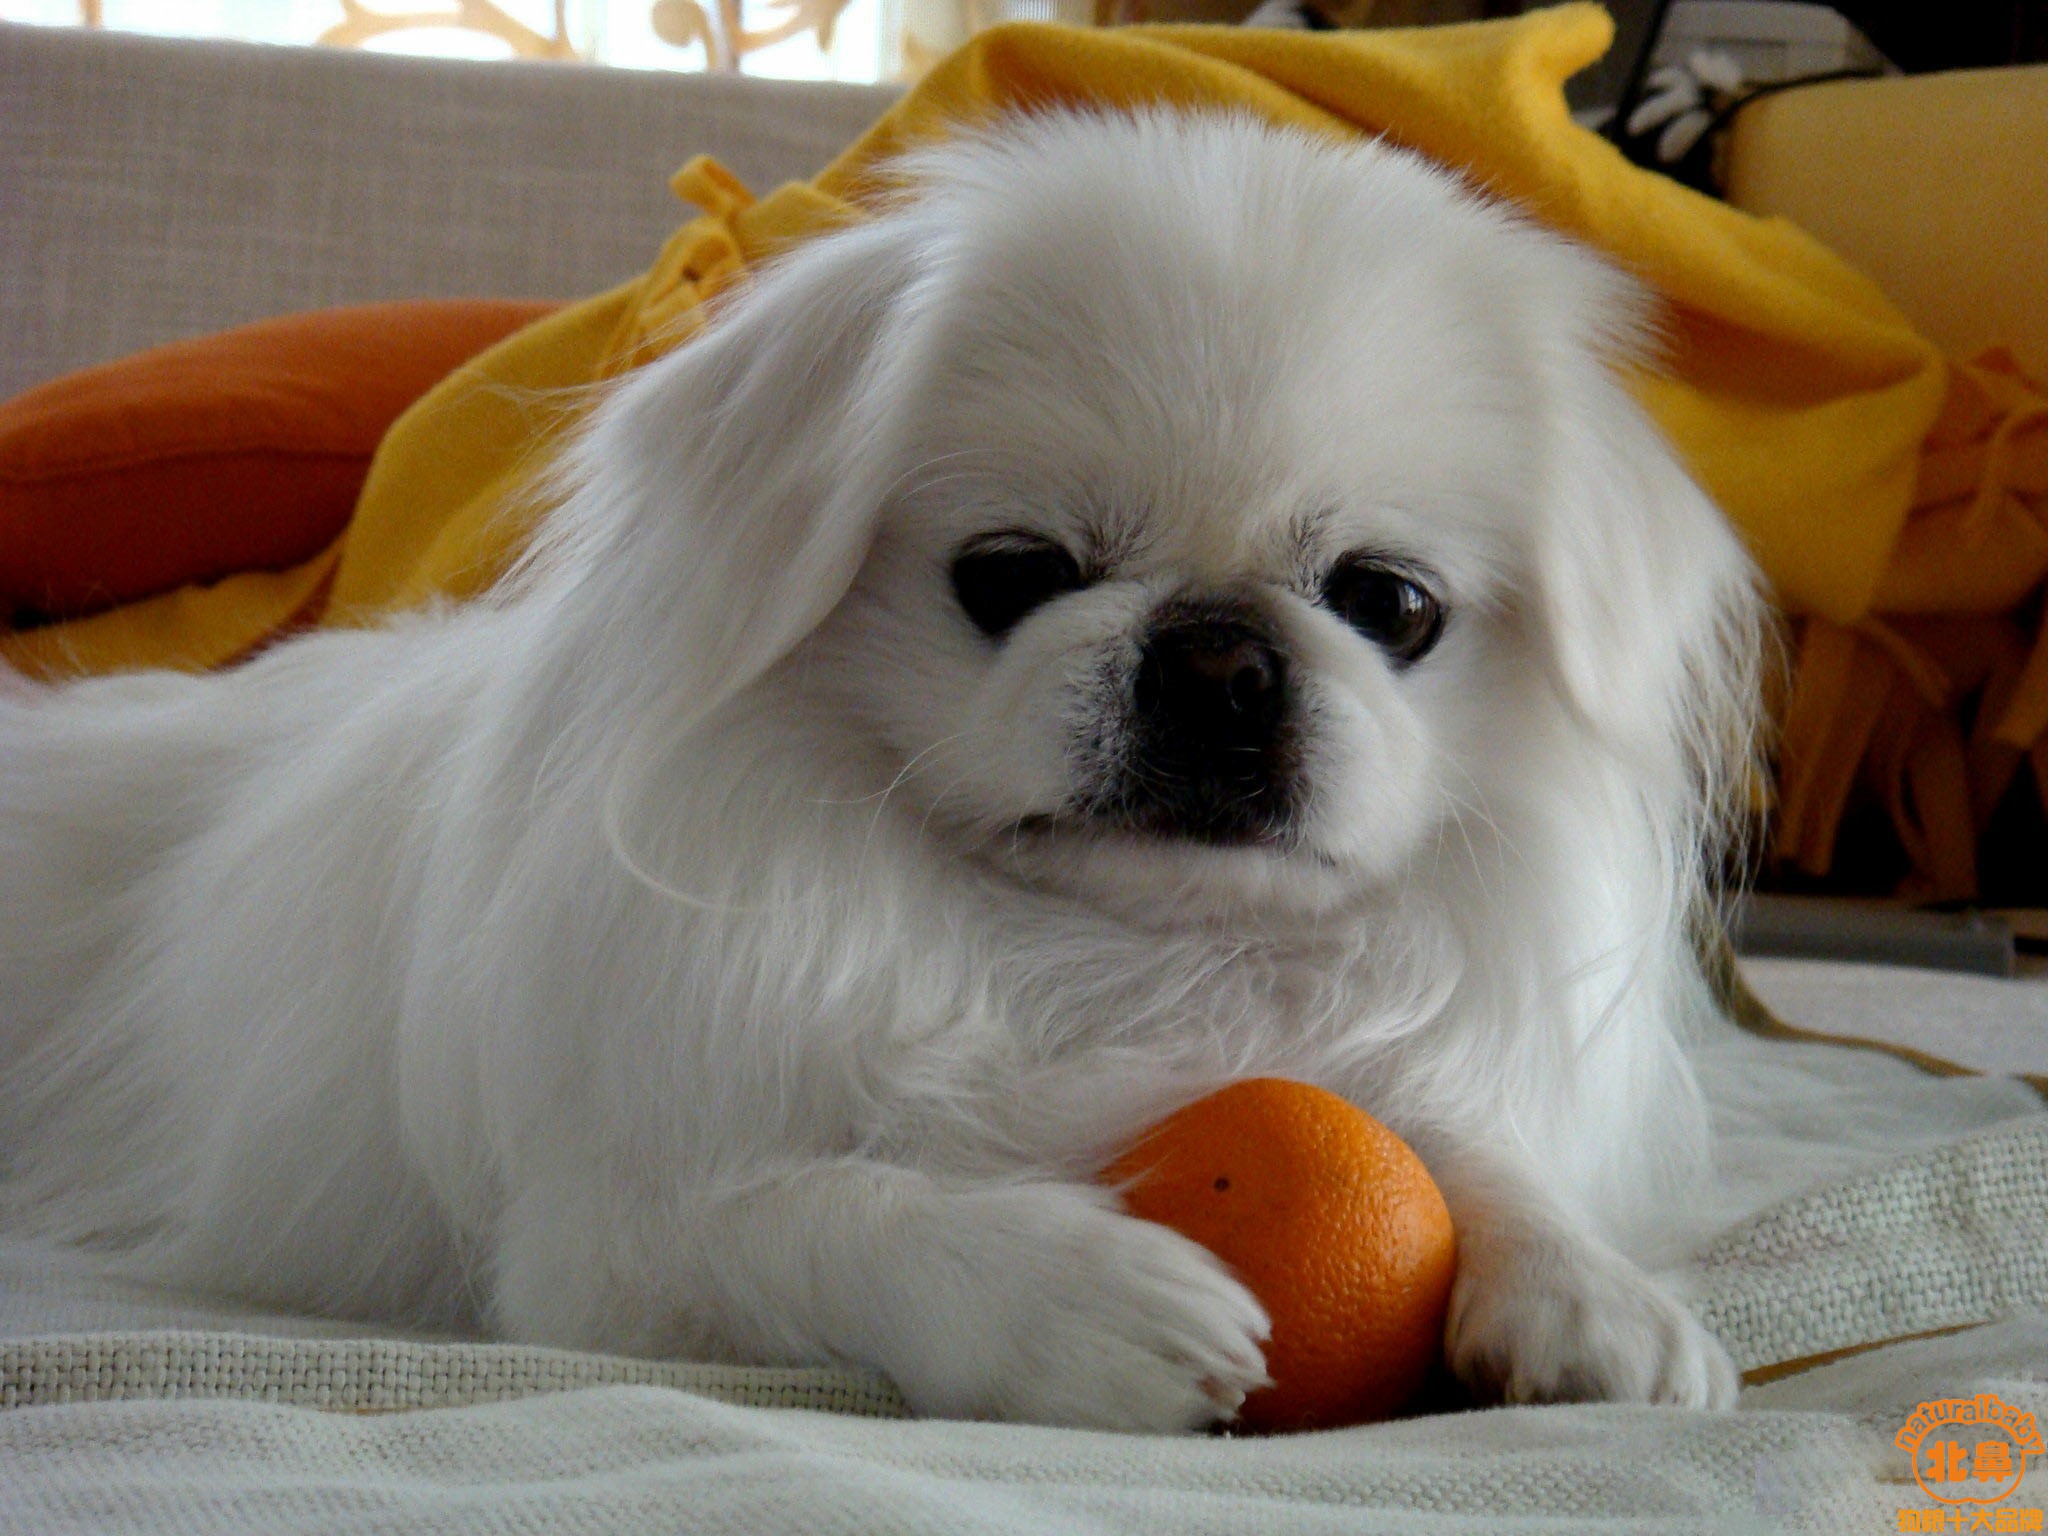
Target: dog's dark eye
{"points": [[1387, 605], [1001, 578]]}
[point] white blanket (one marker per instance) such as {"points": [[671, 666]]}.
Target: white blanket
{"points": [[1864, 1201]]}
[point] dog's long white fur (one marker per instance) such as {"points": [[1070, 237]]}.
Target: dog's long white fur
{"points": [[662, 955]]}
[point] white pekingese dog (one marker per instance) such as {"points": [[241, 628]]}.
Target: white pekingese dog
{"points": [[1170, 600]]}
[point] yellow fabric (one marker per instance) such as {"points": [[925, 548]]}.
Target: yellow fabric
{"points": [[1881, 704], [442, 513], [1936, 186], [1797, 393], [191, 629]]}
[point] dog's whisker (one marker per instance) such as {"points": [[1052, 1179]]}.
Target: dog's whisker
{"points": [[903, 776]]}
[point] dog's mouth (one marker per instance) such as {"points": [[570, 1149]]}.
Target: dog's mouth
{"points": [[1149, 827], [1243, 797], [1168, 876]]}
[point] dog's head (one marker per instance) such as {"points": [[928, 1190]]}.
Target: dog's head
{"points": [[1183, 508]]}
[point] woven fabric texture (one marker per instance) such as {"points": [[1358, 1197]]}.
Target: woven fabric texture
{"points": [[1954, 1236], [129, 1408], [160, 189], [638, 1459], [383, 1375]]}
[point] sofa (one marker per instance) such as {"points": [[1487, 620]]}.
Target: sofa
{"points": [[158, 189], [1883, 1213]]}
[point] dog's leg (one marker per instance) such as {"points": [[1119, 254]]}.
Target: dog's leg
{"points": [[1545, 1310], [1029, 1301]]}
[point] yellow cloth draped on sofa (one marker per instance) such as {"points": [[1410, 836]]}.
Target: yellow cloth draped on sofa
{"points": [[1936, 697], [1800, 397]]}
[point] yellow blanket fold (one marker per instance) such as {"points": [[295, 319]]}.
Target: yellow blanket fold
{"points": [[1934, 702]]}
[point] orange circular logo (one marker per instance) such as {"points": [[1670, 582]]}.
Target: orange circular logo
{"points": [[1969, 1450]]}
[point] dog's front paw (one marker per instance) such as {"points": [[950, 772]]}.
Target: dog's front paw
{"points": [[1072, 1313], [1559, 1320]]}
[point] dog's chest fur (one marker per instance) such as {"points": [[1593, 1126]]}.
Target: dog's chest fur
{"points": [[1066, 1041]]}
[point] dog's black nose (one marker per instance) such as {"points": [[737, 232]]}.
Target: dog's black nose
{"points": [[1210, 703], [1210, 686]]}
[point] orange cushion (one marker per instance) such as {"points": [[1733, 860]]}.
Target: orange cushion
{"points": [[236, 452]]}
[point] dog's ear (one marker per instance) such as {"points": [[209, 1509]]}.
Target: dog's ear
{"points": [[1649, 606], [723, 497]]}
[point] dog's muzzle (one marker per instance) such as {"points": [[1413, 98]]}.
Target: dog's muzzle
{"points": [[1209, 715]]}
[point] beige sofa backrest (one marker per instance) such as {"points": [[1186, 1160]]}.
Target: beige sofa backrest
{"points": [[153, 189]]}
